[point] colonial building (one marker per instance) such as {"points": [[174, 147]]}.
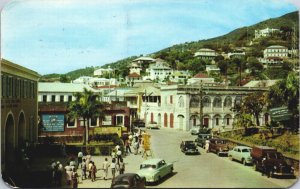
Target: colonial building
{"points": [[103, 71], [135, 68], [159, 70], [200, 77], [19, 109], [180, 76], [276, 51], [265, 32], [95, 82], [206, 54], [178, 106]]}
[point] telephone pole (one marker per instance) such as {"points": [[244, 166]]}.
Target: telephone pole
{"points": [[201, 105]]}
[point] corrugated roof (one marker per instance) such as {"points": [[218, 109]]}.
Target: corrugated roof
{"points": [[134, 75], [200, 75], [149, 90], [63, 87], [276, 47]]}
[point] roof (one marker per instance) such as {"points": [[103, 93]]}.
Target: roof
{"points": [[134, 75], [144, 59], [63, 87], [200, 75], [150, 90], [119, 92], [276, 47], [260, 83], [152, 161], [206, 49]]}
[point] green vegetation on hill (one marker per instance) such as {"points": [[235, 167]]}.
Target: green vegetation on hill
{"points": [[181, 56]]}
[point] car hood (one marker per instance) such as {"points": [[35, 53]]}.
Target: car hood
{"points": [[146, 172]]}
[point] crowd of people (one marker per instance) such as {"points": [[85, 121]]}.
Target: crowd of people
{"points": [[89, 170]]}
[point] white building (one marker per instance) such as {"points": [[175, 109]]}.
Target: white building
{"points": [[265, 32], [135, 68], [178, 106], [212, 68], [180, 76], [103, 71], [200, 78], [159, 70], [276, 51], [95, 82], [206, 54], [238, 53]]}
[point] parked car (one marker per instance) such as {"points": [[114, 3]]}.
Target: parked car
{"points": [[138, 123], [128, 180], [155, 169], [218, 146], [200, 140], [189, 147], [153, 125], [241, 153], [194, 130], [270, 162]]}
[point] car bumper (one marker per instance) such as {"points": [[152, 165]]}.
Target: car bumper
{"points": [[283, 174], [191, 152]]}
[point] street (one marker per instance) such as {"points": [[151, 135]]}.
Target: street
{"points": [[206, 170]]}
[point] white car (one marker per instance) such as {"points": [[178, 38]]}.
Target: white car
{"points": [[152, 126], [155, 169], [194, 130], [241, 153]]}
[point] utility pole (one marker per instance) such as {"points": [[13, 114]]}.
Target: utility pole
{"points": [[201, 105]]}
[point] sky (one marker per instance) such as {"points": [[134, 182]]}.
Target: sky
{"points": [[59, 36]]}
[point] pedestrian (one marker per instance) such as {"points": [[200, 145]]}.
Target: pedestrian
{"points": [[74, 178], [88, 159], [60, 170], [90, 169], [113, 153], [119, 155], [117, 147], [53, 172], [79, 158], [105, 166], [83, 169], [127, 146], [113, 167], [121, 167], [135, 147], [207, 146], [68, 169], [93, 172]]}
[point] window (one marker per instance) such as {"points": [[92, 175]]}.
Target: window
{"points": [[3, 85], [228, 101], [119, 120], [227, 121], [93, 122], [53, 98], [44, 98], [181, 102], [61, 98], [206, 101], [217, 121], [171, 99], [217, 102], [82, 122], [71, 122], [70, 98]]}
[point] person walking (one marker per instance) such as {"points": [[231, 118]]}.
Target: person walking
{"points": [[90, 169], [74, 178], [68, 169], [127, 147], [83, 169], [207, 146], [93, 172], [105, 166], [119, 155], [59, 173], [113, 167], [121, 167], [79, 159]]}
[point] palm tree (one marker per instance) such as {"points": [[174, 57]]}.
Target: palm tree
{"points": [[87, 106]]}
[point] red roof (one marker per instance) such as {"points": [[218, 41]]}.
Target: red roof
{"points": [[134, 75], [200, 75]]}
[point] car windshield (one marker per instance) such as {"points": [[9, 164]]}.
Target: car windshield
{"points": [[147, 166], [246, 150]]}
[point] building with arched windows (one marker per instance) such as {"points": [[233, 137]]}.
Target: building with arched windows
{"points": [[19, 110], [179, 107]]}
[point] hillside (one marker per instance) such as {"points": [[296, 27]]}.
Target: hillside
{"points": [[180, 55]]}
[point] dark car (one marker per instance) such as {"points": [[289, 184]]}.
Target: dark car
{"points": [[128, 180], [189, 147], [200, 140], [219, 146], [138, 123]]}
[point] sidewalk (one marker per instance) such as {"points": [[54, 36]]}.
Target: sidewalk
{"points": [[132, 163]]}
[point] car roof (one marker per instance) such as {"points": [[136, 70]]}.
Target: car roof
{"points": [[125, 175], [243, 147], [152, 161]]}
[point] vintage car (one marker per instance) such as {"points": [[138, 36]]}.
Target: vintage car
{"points": [[218, 146], [194, 130], [241, 153], [153, 125], [189, 147], [155, 169], [138, 123], [128, 180], [200, 140], [267, 160]]}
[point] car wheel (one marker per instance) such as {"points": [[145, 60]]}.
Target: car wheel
{"points": [[244, 162], [159, 179], [171, 170], [255, 166], [271, 174]]}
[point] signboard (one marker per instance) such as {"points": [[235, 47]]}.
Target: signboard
{"points": [[53, 122], [108, 130], [280, 114]]}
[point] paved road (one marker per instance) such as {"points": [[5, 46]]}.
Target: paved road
{"points": [[201, 171]]}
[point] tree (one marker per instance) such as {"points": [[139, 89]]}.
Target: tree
{"points": [[86, 106], [254, 104], [64, 79], [254, 66]]}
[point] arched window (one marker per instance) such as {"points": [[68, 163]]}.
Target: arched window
{"points": [[228, 101], [206, 101], [194, 102], [238, 100], [181, 102], [218, 102]]}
